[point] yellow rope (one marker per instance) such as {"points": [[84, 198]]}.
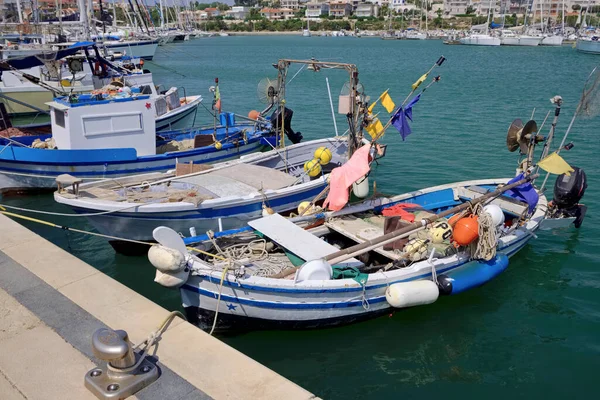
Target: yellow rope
{"points": [[39, 221], [218, 300]]}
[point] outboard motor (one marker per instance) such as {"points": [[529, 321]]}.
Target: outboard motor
{"points": [[568, 190], [295, 137]]}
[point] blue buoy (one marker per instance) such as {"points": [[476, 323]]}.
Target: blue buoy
{"points": [[471, 275]]}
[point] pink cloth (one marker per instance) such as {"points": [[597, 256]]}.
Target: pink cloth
{"points": [[343, 177]]}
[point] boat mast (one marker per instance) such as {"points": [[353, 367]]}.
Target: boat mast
{"points": [[20, 11], [162, 16], [487, 24], [563, 18]]}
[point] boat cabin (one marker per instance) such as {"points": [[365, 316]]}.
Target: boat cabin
{"points": [[104, 122]]}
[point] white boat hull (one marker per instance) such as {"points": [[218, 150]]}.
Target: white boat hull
{"points": [[552, 41], [142, 49], [480, 40], [521, 41]]}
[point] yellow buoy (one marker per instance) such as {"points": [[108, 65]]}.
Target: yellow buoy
{"points": [[323, 154], [303, 206], [218, 145], [313, 168]]}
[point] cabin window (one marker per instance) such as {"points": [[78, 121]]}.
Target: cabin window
{"points": [[59, 117]]}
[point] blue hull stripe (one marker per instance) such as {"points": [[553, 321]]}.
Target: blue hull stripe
{"points": [[238, 285], [308, 306], [212, 213], [101, 172]]}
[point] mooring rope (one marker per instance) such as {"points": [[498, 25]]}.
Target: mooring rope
{"points": [[58, 214], [486, 244]]}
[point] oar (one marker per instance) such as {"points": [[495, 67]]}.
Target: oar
{"points": [[342, 255]]}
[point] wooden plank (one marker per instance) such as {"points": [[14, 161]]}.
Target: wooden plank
{"points": [[295, 239], [360, 231], [509, 205]]}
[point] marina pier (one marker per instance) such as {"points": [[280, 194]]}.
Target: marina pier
{"points": [[51, 303]]}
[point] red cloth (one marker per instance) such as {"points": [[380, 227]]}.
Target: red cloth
{"points": [[400, 210], [343, 177]]}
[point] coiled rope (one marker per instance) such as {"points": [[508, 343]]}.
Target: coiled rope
{"points": [[485, 249]]}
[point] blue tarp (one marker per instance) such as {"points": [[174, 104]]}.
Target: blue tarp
{"points": [[34, 61], [494, 25]]}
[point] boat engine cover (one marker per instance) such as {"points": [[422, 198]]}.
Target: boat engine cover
{"points": [[568, 190], [295, 137]]}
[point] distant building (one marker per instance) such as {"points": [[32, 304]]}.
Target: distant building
{"points": [[367, 10], [212, 12], [291, 4], [238, 12], [316, 10], [340, 9], [277, 13]]}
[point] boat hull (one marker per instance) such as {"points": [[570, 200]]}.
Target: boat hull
{"points": [[521, 41], [23, 170], [178, 118], [482, 40], [142, 49], [588, 46], [279, 303], [552, 41]]}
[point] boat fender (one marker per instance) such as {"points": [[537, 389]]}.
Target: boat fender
{"points": [[172, 280], [471, 275], [360, 188], [166, 260], [410, 294], [314, 270], [496, 212]]}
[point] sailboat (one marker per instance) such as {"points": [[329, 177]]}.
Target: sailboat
{"points": [[482, 39], [551, 39], [306, 32]]}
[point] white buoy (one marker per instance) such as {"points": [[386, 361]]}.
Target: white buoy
{"points": [[360, 188], [414, 293], [165, 259], [172, 280], [496, 212]]}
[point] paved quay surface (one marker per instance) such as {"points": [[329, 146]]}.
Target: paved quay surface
{"points": [[50, 304]]}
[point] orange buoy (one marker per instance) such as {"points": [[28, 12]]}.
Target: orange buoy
{"points": [[455, 218], [466, 230], [253, 115]]}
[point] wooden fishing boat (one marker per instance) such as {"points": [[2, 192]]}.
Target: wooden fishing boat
{"points": [[277, 274]]}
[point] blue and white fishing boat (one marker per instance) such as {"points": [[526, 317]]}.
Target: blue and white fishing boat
{"points": [[229, 194], [277, 274], [330, 268], [97, 137]]}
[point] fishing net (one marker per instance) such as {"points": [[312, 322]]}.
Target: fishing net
{"points": [[589, 105]]}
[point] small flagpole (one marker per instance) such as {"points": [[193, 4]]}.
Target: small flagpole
{"points": [[438, 63], [331, 104], [214, 109]]}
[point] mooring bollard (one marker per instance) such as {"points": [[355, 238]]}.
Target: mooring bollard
{"points": [[125, 372]]}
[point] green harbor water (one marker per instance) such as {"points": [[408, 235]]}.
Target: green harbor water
{"points": [[534, 332]]}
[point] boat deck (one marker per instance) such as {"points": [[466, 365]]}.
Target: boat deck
{"points": [[235, 180]]}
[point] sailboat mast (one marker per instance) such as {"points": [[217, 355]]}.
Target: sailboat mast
{"points": [[20, 11], [162, 16], [487, 24], [563, 18]]}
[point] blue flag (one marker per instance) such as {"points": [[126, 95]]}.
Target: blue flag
{"points": [[400, 119], [525, 192]]}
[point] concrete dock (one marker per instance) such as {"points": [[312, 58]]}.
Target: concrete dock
{"points": [[51, 303]]}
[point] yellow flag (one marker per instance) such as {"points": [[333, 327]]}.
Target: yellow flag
{"points": [[387, 102], [419, 81], [375, 128], [555, 164], [372, 106]]}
